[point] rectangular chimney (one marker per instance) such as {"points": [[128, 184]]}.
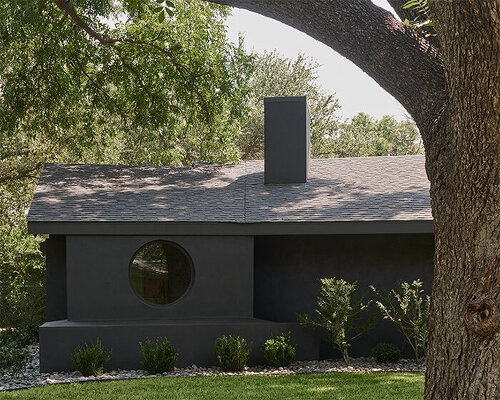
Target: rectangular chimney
{"points": [[286, 140]]}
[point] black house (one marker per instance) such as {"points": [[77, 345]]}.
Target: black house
{"points": [[194, 253]]}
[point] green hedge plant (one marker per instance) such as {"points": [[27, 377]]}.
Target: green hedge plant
{"points": [[13, 358], [386, 353], [90, 360], [278, 351], [233, 353], [159, 356]]}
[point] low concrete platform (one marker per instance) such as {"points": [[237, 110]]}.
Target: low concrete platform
{"points": [[193, 338]]}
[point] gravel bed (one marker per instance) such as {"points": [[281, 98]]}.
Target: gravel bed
{"points": [[31, 375]]}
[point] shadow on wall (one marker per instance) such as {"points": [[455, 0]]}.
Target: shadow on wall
{"points": [[287, 269]]}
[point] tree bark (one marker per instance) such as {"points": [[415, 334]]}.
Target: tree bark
{"points": [[453, 93], [464, 346]]}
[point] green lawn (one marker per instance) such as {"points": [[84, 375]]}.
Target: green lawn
{"points": [[345, 386]]}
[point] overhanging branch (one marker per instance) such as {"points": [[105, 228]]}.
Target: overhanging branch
{"points": [[403, 63], [188, 77]]}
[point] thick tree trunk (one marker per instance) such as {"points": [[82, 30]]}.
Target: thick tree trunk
{"points": [[458, 114], [464, 348]]}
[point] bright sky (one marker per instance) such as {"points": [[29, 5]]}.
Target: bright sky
{"points": [[355, 90]]}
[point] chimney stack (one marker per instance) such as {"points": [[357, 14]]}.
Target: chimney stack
{"points": [[286, 140]]}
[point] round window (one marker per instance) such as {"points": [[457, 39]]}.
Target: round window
{"points": [[161, 272]]}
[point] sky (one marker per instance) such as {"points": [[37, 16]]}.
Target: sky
{"points": [[356, 91]]}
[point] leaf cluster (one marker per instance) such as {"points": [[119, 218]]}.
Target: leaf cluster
{"points": [[279, 351], [340, 311], [90, 360], [232, 352], [408, 307], [159, 356]]}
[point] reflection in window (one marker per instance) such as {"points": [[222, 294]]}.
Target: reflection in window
{"points": [[161, 272]]}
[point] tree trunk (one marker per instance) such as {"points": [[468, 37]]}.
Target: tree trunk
{"points": [[464, 348], [456, 105]]}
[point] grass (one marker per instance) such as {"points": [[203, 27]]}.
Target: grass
{"points": [[335, 386]]}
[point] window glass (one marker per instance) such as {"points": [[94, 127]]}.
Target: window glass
{"points": [[161, 272]]}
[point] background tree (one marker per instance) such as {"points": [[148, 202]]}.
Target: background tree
{"points": [[113, 84], [278, 76], [451, 87], [363, 136]]}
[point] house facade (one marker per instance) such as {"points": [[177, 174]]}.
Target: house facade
{"points": [[195, 253]]}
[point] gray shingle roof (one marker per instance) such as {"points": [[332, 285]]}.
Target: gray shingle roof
{"points": [[349, 189]]}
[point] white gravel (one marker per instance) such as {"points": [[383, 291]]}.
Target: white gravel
{"points": [[31, 375]]}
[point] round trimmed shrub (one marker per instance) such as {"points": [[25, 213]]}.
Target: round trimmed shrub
{"points": [[91, 359], [278, 351], [159, 356], [232, 353], [386, 353]]}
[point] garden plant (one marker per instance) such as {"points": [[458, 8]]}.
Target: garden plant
{"points": [[279, 351], [340, 312], [159, 356], [232, 353], [407, 306], [90, 360]]}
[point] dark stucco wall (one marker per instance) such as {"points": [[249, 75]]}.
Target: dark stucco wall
{"points": [[99, 288], [55, 278], [287, 269], [193, 338]]}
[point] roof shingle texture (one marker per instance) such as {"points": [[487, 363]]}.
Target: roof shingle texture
{"points": [[349, 189]]}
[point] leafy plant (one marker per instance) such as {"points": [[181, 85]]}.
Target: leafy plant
{"points": [[13, 356], [422, 21], [278, 351], [91, 359], [386, 353], [232, 352], [408, 307], [159, 356], [339, 312]]}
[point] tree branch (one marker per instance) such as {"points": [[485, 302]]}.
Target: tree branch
{"points": [[410, 14], [188, 77], [403, 63]]}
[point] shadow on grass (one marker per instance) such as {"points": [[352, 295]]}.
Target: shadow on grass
{"points": [[335, 386]]}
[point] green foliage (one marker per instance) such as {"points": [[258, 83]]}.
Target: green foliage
{"points": [[14, 354], [13, 358], [174, 93], [278, 76], [364, 136], [278, 351], [158, 357], [233, 353], [421, 22], [91, 359], [386, 353], [408, 307], [340, 312]]}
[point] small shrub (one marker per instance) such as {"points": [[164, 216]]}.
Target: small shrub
{"points": [[22, 309], [278, 351], [13, 358], [408, 307], [386, 353], [91, 359], [340, 312], [232, 353], [19, 338], [158, 357]]}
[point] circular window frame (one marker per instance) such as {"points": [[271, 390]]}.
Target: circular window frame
{"points": [[191, 267]]}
